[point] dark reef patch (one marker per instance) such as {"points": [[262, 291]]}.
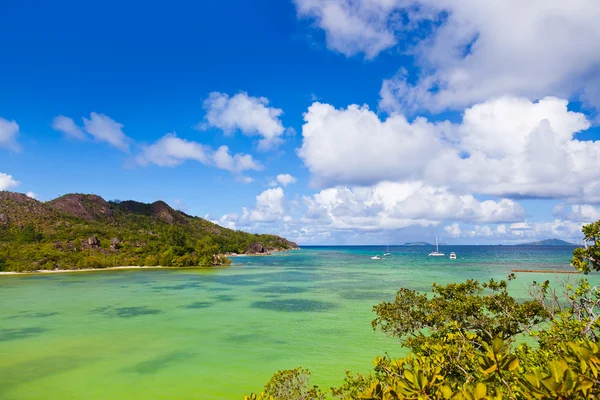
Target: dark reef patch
{"points": [[159, 363], [125, 312], [182, 286], [294, 305], [20, 333], [281, 290], [225, 298], [66, 283], [40, 368], [363, 295], [197, 305], [239, 280], [31, 314]]}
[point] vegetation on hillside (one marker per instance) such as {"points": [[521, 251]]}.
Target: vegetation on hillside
{"points": [[473, 341], [85, 231]]}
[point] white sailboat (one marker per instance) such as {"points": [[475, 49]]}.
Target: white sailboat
{"points": [[436, 253], [387, 253]]}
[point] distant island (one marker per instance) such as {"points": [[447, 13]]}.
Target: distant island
{"points": [[418, 244], [548, 242], [84, 231]]}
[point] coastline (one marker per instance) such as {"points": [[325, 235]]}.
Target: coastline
{"points": [[59, 271]]}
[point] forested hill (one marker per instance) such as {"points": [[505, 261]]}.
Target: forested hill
{"points": [[86, 231], [548, 242]]}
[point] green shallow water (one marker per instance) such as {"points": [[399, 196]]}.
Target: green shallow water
{"points": [[218, 333]]}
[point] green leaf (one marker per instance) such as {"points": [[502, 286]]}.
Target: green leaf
{"points": [[480, 391]]}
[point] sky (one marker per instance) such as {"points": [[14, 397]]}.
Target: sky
{"points": [[325, 121]]}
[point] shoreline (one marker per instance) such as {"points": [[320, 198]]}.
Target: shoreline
{"points": [[59, 271], [546, 271]]}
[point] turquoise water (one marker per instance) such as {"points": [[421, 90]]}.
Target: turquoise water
{"points": [[220, 333]]}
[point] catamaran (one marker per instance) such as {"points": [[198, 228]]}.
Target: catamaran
{"points": [[387, 253], [436, 253]]}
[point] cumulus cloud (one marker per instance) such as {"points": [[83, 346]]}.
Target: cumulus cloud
{"points": [[7, 182], [269, 208], [8, 134], [170, 151], [474, 49], [351, 26], [283, 179], [250, 115], [99, 126], [392, 149], [31, 195], [504, 147], [585, 213], [519, 232], [105, 129], [67, 126], [390, 205]]}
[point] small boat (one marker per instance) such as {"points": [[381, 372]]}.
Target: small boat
{"points": [[375, 258], [453, 256], [436, 253], [387, 253]]}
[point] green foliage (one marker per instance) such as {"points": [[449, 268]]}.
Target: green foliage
{"points": [[293, 384], [29, 235], [588, 258]]}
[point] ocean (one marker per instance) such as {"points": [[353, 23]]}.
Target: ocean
{"points": [[221, 333]]}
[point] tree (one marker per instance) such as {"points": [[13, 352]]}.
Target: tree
{"points": [[29, 235], [587, 259]]}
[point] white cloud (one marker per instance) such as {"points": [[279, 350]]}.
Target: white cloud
{"points": [[584, 213], [244, 179], [379, 150], [31, 195], [389, 205], [105, 129], [8, 134], [519, 232], [67, 126], [504, 147], [352, 26], [237, 163], [270, 208], [488, 49], [473, 49], [101, 127], [7, 182], [250, 115], [170, 151], [283, 179]]}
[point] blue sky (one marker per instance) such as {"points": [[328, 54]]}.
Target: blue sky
{"points": [[385, 120]]}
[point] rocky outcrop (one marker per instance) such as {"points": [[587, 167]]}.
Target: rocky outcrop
{"points": [[91, 243], [256, 248], [115, 244], [85, 206], [3, 219], [159, 210]]}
